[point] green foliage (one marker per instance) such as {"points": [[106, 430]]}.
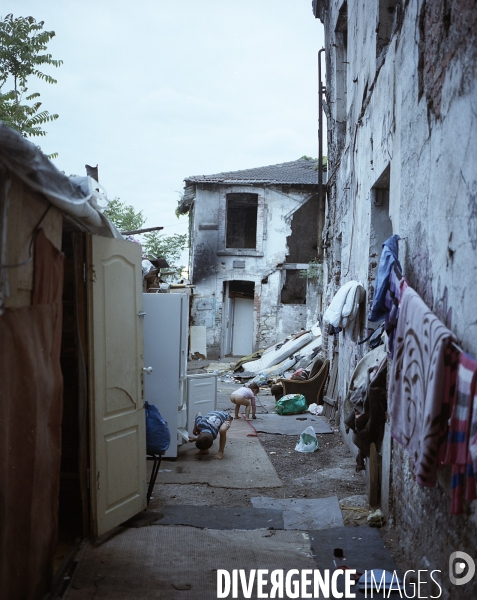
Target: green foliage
{"points": [[314, 273], [180, 208], [154, 243], [324, 162], [124, 216], [169, 247], [23, 45]]}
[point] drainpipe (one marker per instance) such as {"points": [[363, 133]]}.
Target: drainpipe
{"points": [[321, 207]]}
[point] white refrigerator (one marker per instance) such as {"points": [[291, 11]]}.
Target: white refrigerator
{"points": [[166, 384]]}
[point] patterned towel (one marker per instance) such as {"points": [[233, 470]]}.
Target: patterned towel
{"points": [[416, 384], [458, 447]]}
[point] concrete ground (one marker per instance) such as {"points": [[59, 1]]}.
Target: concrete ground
{"points": [[200, 526]]}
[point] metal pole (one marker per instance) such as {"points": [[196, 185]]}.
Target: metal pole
{"points": [[141, 230], [321, 208]]}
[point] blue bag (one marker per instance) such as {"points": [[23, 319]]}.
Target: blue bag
{"points": [[158, 436]]}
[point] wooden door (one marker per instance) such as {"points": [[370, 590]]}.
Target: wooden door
{"points": [[117, 417]]}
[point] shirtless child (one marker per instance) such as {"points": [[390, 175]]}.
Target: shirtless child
{"points": [[206, 428], [245, 396]]}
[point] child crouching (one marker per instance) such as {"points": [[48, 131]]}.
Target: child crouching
{"points": [[245, 396]]}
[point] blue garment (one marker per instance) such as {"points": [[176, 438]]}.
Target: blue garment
{"points": [[212, 422], [389, 257]]}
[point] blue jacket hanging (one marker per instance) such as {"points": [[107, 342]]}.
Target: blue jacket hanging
{"points": [[389, 257]]}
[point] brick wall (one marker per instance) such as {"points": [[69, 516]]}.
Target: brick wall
{"points": [[448, 30], [416, 510]]}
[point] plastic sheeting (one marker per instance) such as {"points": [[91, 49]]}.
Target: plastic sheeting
{"points": [[76, 196]]}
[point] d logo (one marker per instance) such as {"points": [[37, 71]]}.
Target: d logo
{"points": [[456, 569]]}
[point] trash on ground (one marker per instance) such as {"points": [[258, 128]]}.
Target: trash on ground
{"points": [[376, 519], [315, 409], [355, 509], [291, 404], [308, 441]]}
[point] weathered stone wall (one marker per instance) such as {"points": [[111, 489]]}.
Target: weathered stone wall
{"points": [[409, 113]]}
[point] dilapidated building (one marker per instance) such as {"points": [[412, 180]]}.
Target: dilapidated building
{"points": [[253, 235], [401, 103]]}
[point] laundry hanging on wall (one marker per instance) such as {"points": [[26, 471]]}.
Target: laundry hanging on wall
{"points": [[416, 384], [433, 399], [459, 453], [343, 311], [387, 262]]}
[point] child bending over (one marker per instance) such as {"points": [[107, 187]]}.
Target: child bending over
{"points": [[245, 396], [206, 428]]}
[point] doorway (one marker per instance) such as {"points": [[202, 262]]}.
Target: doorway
{"points": [[73, 501], [239, 321]]}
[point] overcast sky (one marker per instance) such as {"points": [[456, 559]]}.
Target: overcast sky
{"points": [[156, 90]]}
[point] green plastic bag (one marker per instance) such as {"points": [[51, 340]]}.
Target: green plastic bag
{"points": [[291, 404]]}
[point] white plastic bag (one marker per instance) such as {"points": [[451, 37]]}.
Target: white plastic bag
{"points": [[308, 441]]}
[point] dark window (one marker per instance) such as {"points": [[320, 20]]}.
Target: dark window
{"points": [[386, 16], [381, 226], [341, 73], [294, 288], [241, 220], [241, 289]]}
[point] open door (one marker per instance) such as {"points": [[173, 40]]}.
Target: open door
{"points": [[117, 418]]}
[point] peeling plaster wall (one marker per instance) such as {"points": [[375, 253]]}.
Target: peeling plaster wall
{"points": [[212, 264], [412, 108]]}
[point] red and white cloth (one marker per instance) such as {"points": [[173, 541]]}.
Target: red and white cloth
{"points": [[462, 442]]}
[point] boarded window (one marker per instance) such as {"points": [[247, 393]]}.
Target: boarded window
{"points": [[294, 288], [241, 220]]}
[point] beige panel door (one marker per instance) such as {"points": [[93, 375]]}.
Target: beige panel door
{"points": [[118, 429]]}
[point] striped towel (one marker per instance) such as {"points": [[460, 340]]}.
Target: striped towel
{"points": [[473, 433], [458, 452]]}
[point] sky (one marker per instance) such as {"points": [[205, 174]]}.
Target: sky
{"points": [[154, 91]]}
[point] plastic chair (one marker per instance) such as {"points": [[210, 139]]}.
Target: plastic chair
{"points": [[311, 388]]}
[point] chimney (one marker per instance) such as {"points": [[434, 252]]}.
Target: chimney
{"points": [[92, 172]]}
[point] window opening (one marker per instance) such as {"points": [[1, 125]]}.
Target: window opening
{"points": [[301, 242], [381, 226], [241, 220], [294, 288], [241, 289], [384, 29], [341, 72]]}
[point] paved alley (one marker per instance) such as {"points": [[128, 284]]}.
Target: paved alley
{"points": [[243, 512]]}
